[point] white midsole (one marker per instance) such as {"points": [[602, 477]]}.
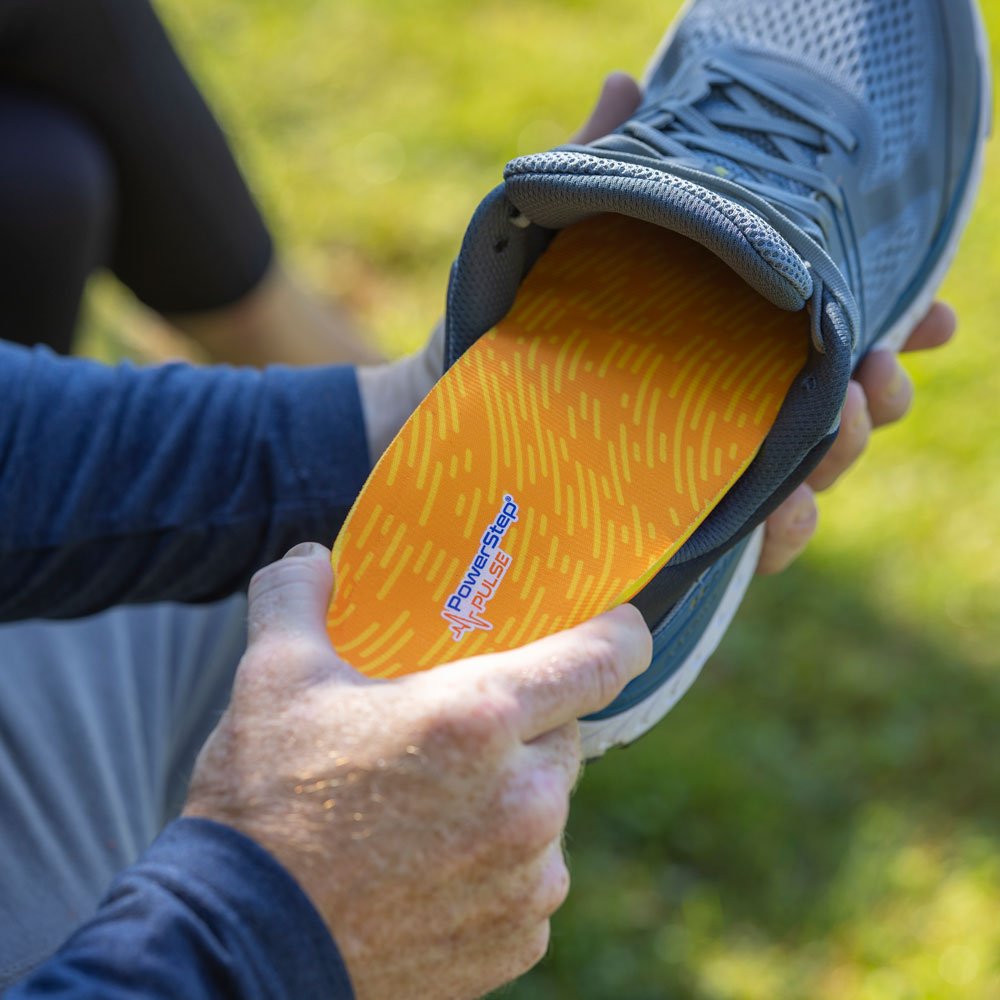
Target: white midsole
{"points": [[629, 725]]}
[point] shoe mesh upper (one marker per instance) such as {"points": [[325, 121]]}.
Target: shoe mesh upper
{"points": [[873, 48], [887, 253], [892, 254]]}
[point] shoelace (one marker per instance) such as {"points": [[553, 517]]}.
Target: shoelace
{"points": [[686, 133]]}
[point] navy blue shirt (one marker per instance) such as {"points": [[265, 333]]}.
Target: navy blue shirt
{"points": [[124, 484], [205, 914]]}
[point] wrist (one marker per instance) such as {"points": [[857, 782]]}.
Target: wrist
{"points": [[391, 392]]}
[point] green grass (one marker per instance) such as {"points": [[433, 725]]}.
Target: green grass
{"points": [[819, 818]]}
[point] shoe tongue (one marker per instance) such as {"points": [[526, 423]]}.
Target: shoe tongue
{"points": [[559, 188]]}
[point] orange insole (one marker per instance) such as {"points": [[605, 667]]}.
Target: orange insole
{"points": [[567, 455]]}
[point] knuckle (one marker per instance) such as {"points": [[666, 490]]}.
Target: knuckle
{"points": [[801, 524], [286, 572], [273, 669], [263, 578], [277, 589], [474, 726], [897, 401], [272, 654], [855, 420], [532, 818], [607, 670], [519, 838], [567, 752], [553, 887], [255, 666], [554, 807], [546, 821], [859, 444], [788, 531], [855, 398], [849, 442], [532, 947]]}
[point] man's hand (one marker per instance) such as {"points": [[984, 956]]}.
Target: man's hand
{"points": [[880, 393], [423, 816]]}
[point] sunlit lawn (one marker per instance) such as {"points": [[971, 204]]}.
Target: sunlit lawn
{"points": [[820, 817]]}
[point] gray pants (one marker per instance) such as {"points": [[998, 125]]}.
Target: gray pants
{"points": [[100, 723]]}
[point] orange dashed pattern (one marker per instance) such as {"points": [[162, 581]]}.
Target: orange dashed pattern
{"points": [[629, 387]]}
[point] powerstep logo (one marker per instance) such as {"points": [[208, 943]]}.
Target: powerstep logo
{"points": [[465, 609]]}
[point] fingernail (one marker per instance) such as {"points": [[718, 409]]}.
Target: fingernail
{"points": [[305, 550]]}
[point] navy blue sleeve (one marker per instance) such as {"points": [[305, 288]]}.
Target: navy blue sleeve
{"points": [[125, 484], [205, 914]]}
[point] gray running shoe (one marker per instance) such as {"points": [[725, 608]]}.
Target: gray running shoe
{"points": [[829, 151]]}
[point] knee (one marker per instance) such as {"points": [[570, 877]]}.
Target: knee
{"points": [[57, 191]]}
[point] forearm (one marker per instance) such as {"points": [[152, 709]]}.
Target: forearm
{"points": [[205, 914], [171, 483]]}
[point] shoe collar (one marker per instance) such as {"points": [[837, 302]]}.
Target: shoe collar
{"points": [[767, 249]]}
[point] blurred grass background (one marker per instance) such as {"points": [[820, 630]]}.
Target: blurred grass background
{"points": [[820, 817]]}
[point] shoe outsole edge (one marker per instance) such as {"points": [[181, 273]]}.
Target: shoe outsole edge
{"points": [[625, 727]]}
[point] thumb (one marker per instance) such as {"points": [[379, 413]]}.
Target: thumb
{"points": [[289, 598], [620, 96]]}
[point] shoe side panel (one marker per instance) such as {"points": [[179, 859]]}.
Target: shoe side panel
{"points": [[676, 637]]}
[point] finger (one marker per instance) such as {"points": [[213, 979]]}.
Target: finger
{"points": [[560, 750], [508, 957], [855, 429], [788, 531], [618, 99], [934, 330], [887, 387], [553, 882], [290, 597], [528, 890], [564, 676]]}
